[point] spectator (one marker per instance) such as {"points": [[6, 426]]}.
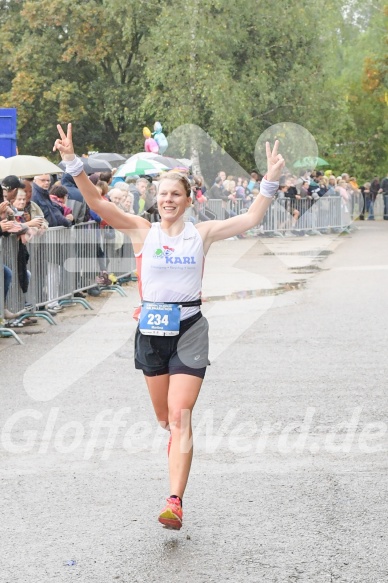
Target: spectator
{"points": [[331, 186], [7, 226], [59, 196], [116, 195], [365, 191], [243, 195], [75, 200], [198, 189], [104, 189], [124, 186], [384, 190], [40, 195], [292, 194], [374, 190], [106, 177], [254, 181], [94, 178], [222, 175], [127, 203], [31, 209], [10, 185], [304, 190], [141, 186], [12, 221], [151, 212], [38, 223], [217, 192], [375, 187], [343, 192]]}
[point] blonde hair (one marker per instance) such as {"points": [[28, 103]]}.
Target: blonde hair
{"points": [[179, 177]]}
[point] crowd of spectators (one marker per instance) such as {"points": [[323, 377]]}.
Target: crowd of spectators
{"points": [[29, 207], [300, 191]]}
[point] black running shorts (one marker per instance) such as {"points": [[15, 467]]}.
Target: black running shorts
{"points": [[185, 353]]}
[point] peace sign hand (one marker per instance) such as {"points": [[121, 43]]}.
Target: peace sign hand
{"points": [[275, 162], [64, 145]]}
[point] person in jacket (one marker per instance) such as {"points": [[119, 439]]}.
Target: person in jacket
{"points": [[7, 226], [40, 195], [384, 190], [31, 209], [59, 196], [217, 191], [75, 200]]}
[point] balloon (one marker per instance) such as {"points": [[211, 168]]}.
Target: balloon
{"points": [[146, 132], [160, 138], [150, 145]]}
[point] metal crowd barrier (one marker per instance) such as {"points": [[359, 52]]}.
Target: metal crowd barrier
{"points": [[62, 262], [65, 261], [4, 331], [287, 216]]}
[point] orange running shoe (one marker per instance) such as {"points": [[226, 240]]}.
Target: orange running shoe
{"points": [[171, 516]]}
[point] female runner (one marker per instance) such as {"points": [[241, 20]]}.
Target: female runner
{"points": [[171, 342]]}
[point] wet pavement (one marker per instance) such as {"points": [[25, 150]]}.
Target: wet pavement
{"points": [[289, 480]]}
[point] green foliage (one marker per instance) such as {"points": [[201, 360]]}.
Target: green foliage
{"points": [[361, 145], [74, 61], [234, 73], [234, 69]]}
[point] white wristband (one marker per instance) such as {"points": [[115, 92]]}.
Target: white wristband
{"points": [[268, 189], [74, 167]]}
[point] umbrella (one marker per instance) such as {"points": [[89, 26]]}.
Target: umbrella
{"points": [[310, 162], [165, 160], [114, 159], [139, 166], [90, 165], [26, 166]]}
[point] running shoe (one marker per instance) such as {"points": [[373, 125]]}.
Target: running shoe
{"points": [[169, 444], [171, 516]]}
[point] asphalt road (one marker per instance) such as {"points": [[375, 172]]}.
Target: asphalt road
{"points": [[289, 480]]}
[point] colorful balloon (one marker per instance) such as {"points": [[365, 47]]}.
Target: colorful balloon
{"points": [[150, 145], [160, 137]]}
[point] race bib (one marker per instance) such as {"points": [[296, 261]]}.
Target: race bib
{"points": [[160, 319]]}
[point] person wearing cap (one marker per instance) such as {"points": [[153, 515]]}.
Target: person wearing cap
{"points": [[10, 185]]}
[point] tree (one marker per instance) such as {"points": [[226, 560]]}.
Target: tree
{"points": [[362, 78], [78, 61], [239, 73]]}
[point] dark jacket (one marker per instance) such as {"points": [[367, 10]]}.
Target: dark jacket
{"points": [[217, 193], [384, 185], [75, 200], [52, 212]]}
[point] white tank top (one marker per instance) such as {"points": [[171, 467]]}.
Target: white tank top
{"points": [[170, 269]]}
